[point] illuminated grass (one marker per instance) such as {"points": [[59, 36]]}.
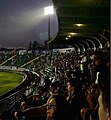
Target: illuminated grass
{"points": [[9, 81]]}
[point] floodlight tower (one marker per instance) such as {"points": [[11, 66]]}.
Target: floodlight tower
{"points": [[48, 11]]}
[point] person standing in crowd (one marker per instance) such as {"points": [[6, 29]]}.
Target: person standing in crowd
{"points": [[43, 94], [74, 98], [55, 87], [104, 102], [101, 72]]}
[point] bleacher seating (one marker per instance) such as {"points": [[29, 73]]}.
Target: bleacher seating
{"points": [[61, 67]]}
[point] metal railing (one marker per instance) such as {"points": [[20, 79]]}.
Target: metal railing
{"points": [[7, 102], [8, 99]]}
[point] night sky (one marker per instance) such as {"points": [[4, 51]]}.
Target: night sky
{"points": [[22, 21]]}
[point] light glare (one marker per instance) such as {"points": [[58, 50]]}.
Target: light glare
{"points": [[79, 25], [72, 33], [48, 10]]}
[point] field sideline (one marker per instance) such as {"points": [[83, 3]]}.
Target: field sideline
{"points": [[9, 81]]}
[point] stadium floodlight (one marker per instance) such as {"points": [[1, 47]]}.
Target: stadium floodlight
{"points": [[48, 11]]}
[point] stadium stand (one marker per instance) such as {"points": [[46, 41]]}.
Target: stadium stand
{"points": [[79, 74]]}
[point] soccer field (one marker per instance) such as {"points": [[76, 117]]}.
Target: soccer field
{"points": [[9, 81]]}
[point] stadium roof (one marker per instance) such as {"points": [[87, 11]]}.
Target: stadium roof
{"points": [[81, 19]]}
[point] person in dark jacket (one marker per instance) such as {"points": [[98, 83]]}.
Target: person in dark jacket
{"points": [[74, 98], [101, 72]]}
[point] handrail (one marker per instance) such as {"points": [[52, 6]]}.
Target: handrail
{"points": [[7, 60], [7, 100]]}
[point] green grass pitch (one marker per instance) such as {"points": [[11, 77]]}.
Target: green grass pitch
{"points": [[9, 81]]}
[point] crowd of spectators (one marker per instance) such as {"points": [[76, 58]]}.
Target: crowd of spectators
{"points": [[4, 56], [75, 88]]}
